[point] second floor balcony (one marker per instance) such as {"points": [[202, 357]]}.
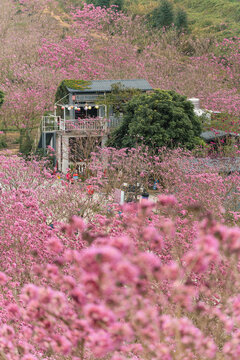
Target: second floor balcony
{"points": [[84, 126]]}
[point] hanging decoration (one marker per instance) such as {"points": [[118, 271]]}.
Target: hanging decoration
{"points": [[77, 107]]}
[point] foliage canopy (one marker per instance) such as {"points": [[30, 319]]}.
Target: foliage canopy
{"points": [[161, 118], [163, 15], [118, 97]]}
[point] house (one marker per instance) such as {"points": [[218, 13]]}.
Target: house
{"points": [[82, 118]]}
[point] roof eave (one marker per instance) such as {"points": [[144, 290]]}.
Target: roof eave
{"points": [[100, 91]]}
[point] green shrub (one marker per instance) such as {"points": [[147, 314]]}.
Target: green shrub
{"points": [[162, 16], [161, 118]]}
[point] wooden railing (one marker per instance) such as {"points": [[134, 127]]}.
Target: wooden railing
{"points": [[50, 123], [55, 123], [84, 125]]}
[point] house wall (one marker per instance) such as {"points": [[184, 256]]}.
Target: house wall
{"points": [[86, 98], [62, 152], [63, 149]]}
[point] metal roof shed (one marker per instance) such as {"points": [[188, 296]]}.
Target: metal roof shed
{"points": [[213, 135]]}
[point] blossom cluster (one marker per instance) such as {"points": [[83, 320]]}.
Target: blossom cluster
{"points": [[156, 278]]}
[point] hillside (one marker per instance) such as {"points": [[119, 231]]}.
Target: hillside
{"points": [[43, 43], [220, 18]]}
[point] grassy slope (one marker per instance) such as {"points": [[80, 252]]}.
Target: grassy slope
{"points": [[220, 18], [206, 17]]}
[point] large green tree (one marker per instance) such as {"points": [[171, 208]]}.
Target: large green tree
{"points": [[163, 15], [160, 118]]}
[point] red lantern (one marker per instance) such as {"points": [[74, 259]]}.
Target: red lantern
{"points": [[90, 190]]}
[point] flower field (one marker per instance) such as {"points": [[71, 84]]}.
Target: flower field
{"points": [[157, 279], [81, 276]]}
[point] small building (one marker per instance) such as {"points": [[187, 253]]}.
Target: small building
{"points": [[214, 136], [82, 118]]}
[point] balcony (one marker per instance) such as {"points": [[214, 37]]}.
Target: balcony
{"points": [[85, 126]]}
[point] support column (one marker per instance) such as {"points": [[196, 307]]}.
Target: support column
{"points": [[65, 154], [54, 141], [72, 111], [53, 144], [44, 141], [58, 152]]}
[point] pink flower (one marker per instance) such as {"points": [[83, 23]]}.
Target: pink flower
{"points": [[13, 310], [100, 343], [29, 357], [149, 262], [78, 295], [62, 344], [126, 272], [99, 315], [167, 200], [55, 245], [77, 223], [3, 279], [151, 235]]}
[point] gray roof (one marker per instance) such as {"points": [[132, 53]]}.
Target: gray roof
{"points": [[203, 165], [105, 85], [215, 134]]}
